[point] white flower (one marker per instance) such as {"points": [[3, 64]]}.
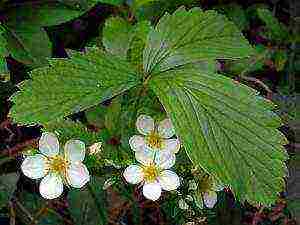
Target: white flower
{"points": [[57, 169], [154, 174], [156, 138]]}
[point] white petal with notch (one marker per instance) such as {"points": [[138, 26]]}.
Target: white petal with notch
{"points": [[169, 180], [48, 144], [75, 151], [133, 174], [145, 124], [51, 186], [34, 167], [77, 175], [152, 191]]}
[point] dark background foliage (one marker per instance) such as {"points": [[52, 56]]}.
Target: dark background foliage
{"points": [[274, 74]]}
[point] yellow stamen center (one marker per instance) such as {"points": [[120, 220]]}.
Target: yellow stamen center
{"points": [[58, 164], [151, 172], [154, 140]]}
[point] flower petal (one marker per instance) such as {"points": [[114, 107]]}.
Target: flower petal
{"points": [[171, 145], [77, 175], [145, 156], [165, 128], [133, 174], [145, 124], [51, 186], [35, 166], [137, 142], [164, 160], [152, 191], [75, 151], [210, 199], [169, 180], [48, 144]]}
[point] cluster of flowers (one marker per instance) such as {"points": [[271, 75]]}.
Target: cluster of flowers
{"points": [[154, 152]]}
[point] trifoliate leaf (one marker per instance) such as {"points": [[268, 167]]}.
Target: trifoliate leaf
{"points": [[191, 36], [226, 129], [71, 85]]}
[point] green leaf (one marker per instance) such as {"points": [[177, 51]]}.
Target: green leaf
{"points": [[112, 2], [235, 13], [139, 3], [33, 209], [8, 184], [27, 40], [96, 116], [71, 85], [191, 36], [152, 10], [117, 35], [278, 31], [138, 43], [248, 65], [67, 129], [112, 117], [30, 46], [3, 51], [88, 205], [39, 15], [227, 129]]}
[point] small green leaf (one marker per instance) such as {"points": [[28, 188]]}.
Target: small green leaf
{"points": [[247, 65], [138, 43], [139, 3], [226, 129], [112, 117], [88, 205], [71, 85], [96, 115], [191, 36], [3, 51], [280, 59], [67, 129], [278, 31], [8, 184], [236, 13], [117, 35]]}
